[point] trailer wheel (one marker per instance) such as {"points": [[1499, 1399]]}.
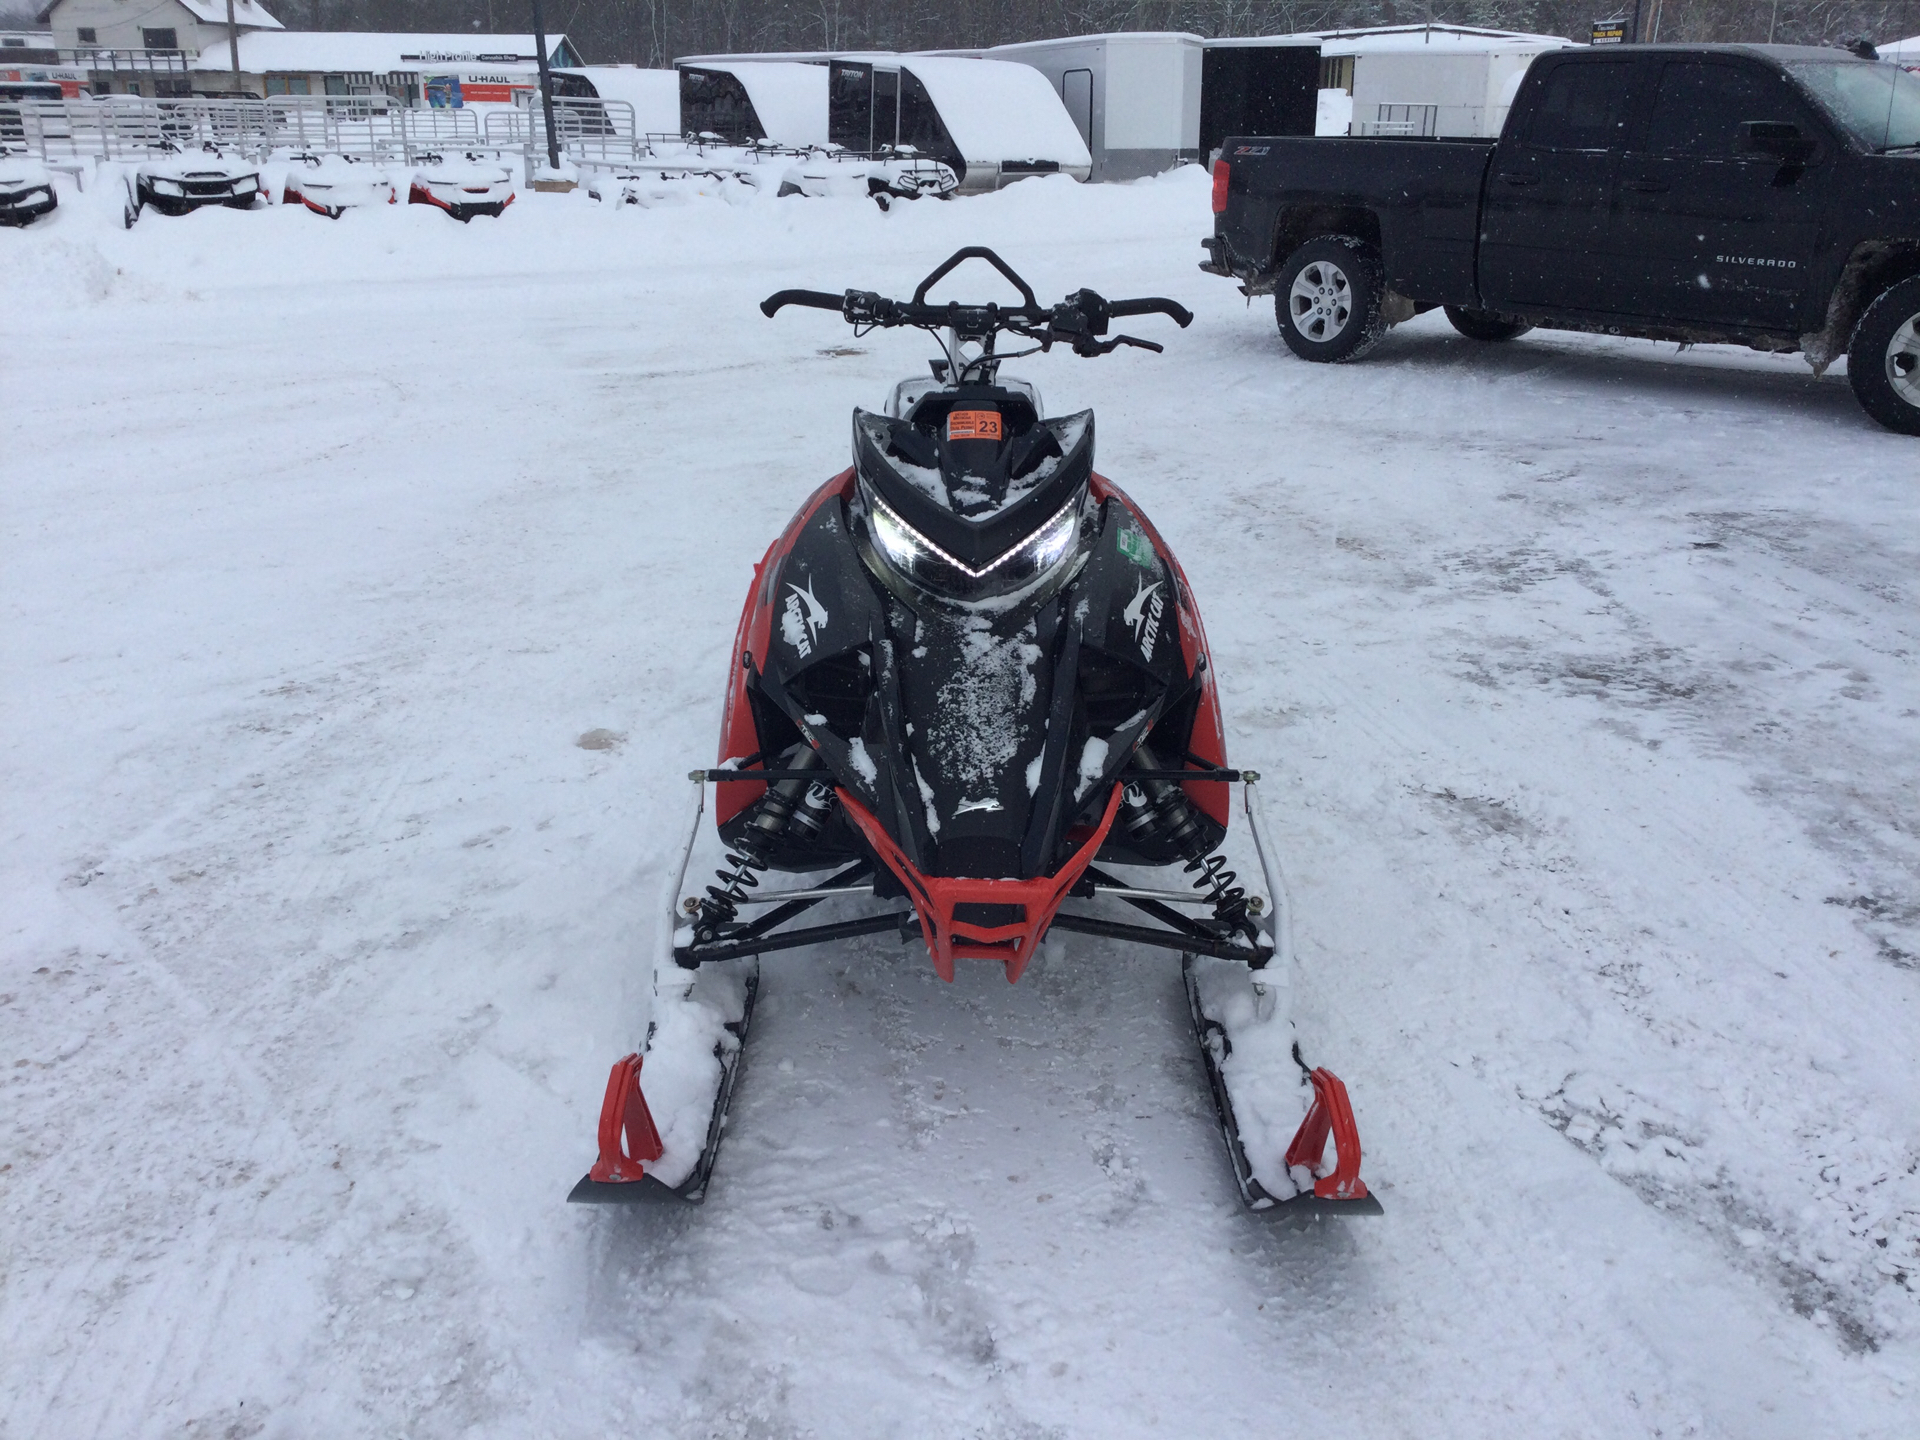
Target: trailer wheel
{"points": [[1327, 300], [1489, 325], [1883, 362]]}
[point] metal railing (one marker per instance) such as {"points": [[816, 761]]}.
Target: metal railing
{"points": [[589, 131], [121, 61], [375, 127], [1418, 120]]}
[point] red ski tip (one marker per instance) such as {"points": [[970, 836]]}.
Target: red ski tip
{"points": [[624, 1117], [1331, 1111]]}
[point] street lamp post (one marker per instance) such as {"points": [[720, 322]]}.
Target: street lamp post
{"points": [[233, 46], [546, 84]]}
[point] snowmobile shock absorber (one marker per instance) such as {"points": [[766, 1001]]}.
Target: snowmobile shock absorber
{"points": [[795, 801], [1159, 810]]}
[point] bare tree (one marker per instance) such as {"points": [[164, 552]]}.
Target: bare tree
{"points": [[652, 32]]}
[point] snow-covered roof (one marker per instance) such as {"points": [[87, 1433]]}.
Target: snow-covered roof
{"points": [[654, 94], [245, 12], [1112, 37], [999, 110], [1902, 52], [371, 52], [1417, 37], [1400, 37], [790, 98]]}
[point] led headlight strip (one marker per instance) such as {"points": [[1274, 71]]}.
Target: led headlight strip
{"points": [[906, 547]]}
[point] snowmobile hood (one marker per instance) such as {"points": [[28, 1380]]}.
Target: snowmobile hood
{"points": [[983, 741], [974, 470]]}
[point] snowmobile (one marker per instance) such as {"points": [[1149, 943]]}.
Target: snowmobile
{"points": [[970, 676], [477, 186], [177, 182]]}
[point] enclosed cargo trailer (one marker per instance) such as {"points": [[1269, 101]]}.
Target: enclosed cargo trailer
{"points": [[1264, 85], [1135, 98]]}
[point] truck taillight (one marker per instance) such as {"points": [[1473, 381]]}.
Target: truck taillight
{"points": [[1219, 187]]}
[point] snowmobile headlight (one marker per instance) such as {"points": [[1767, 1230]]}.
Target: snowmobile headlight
{"points": [[163, 186], [919, 560]]}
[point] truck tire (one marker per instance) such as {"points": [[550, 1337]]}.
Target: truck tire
{"points": [[1883, 362], [1327, 300], [1489, 325]]}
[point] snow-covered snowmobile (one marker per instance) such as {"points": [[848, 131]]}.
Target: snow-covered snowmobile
{"points": [[971, 676]]}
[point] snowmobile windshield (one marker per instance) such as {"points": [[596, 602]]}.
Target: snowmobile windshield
{"points": [[1045, 559]]}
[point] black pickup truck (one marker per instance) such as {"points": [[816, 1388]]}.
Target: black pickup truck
{"points": [[1759, 194]]}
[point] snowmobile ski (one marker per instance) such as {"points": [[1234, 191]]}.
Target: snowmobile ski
{"points": [[630, 1141], [1342, 1192]]}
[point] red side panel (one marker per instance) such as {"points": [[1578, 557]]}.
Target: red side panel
{"points": [[737, 735], [1209, 734], [936, 896]]}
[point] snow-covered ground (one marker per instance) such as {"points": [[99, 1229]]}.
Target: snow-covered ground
{"points": [[367, 593]]}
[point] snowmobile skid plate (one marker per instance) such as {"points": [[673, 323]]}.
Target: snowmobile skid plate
{"points": [[1340, 1193], [629, 1140]]}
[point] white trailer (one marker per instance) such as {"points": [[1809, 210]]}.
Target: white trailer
{"points": [[654, 94], [742, 99], [990, 121], [1134, 98], [1430, 80]]}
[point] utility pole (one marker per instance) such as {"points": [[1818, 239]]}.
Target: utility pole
{"points": [[1633, 35], [233, 46], [546, 83]]}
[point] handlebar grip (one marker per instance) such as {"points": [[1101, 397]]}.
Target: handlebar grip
{"points": [[816, 299], [1152, 305]]}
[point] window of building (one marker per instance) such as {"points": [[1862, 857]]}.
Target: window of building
{"points": [[88, 36], [160, 39], [287, 85], [335, 84], [13, 43]]}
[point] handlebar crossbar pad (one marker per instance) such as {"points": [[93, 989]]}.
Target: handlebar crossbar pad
{"points": [[817, 299]]}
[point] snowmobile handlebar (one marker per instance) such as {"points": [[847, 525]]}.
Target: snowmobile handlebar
{"points": [[1079, 321]]}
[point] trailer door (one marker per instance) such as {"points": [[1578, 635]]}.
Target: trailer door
{"points": [[1076, 92]]}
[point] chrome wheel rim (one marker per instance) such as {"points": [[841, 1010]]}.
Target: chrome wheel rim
{"points": [[1903, 361], [1321, 301]]}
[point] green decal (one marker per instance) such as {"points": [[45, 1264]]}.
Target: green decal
{"points": [[1135, 547]]}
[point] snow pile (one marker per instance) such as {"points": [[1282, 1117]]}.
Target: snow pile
{"points": [[1270, 1092], [1580, 671], [681, 1073]]}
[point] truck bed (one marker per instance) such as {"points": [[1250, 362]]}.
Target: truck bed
{"points": [[1417, 199]]}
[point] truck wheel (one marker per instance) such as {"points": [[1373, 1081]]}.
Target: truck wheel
{"points": [[1327, 301], [1883, 362], [1485, 324]]}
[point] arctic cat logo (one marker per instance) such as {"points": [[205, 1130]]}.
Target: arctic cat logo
{"points": [[1143, 616], [799, 627]]}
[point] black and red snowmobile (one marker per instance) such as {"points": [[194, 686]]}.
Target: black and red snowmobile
{"points": [[970, 684]]}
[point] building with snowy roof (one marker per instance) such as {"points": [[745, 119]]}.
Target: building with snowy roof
{"points": [[182, 47], [112, 47]]}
